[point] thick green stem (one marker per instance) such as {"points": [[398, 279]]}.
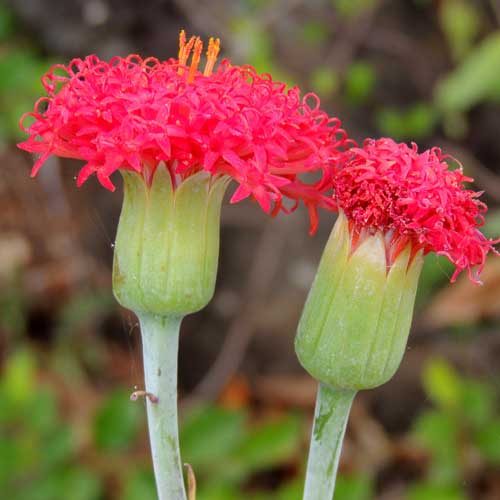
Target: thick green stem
{"points": [[160, 345], [330, 421]]}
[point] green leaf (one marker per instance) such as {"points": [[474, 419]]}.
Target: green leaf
{"points": [[13, 306], [20, 86], [117, 422], [291, 491], [474, 80], [210, 434], [57, 448], [75, 484], [352, 8], [324, 81], [478, 402], [442, 384], [420, 120], [218, 491], [354, 488], [140, 485], [42, 415], [269, 445], [12, 461], [360, 81], [81, 484], [460, 23], [439, 433], [7, 23], [18, 384], [430, 491], [315, 33], [416, 122], [488, 441]]}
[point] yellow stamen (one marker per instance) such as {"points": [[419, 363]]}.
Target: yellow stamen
{"points": [[195, 43], [212, 53], [184, 50], [182, 43], [198, 48]]}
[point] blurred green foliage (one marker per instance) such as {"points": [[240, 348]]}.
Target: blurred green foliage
{"points": [[324, 81], [352, 8], [414, 123], [460, 21], [13, 307], [462, 426], [42, 457], [39, 452], [117, 423], [20, 70], [359, 82], [474, 80]]}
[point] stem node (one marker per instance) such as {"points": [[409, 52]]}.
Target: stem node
{"points": [[144, 394]]}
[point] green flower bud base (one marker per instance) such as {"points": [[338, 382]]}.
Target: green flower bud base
{"points": [[167, 244], [355, 324]]}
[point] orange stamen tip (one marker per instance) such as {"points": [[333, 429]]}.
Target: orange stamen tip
{"points": [[213, 47], [212, 53], [182, 43], [195, 45], [198, 48], [184, 50]]}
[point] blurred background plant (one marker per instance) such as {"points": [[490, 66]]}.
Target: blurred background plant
{"points": [[423, 70]]}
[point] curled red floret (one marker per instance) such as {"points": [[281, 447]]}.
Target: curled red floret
{"points": [[414, 197], [132, 113]]}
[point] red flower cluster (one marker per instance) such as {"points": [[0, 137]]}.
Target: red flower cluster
{"points": [[413, 197], [132, 113]]}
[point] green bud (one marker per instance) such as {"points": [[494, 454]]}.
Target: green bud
{"points": [[355, 324], [167, 244]]}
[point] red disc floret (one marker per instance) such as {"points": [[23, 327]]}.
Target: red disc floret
{"points": [[132, 113], [414, 197]]}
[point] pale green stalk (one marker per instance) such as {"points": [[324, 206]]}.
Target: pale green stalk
{"points": [[160, 345], [330, 421]]}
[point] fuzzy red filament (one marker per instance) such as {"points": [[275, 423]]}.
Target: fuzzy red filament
{"points": [[413, 197]]}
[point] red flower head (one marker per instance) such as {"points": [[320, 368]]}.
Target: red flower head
{"points": [[132, 113], [413, 198]]}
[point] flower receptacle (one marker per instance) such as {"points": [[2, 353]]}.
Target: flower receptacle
{"points": [[167, 244], [355, 324]]}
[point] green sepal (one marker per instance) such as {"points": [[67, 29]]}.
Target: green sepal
{"points": [[167, 244], [355, 324]]}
